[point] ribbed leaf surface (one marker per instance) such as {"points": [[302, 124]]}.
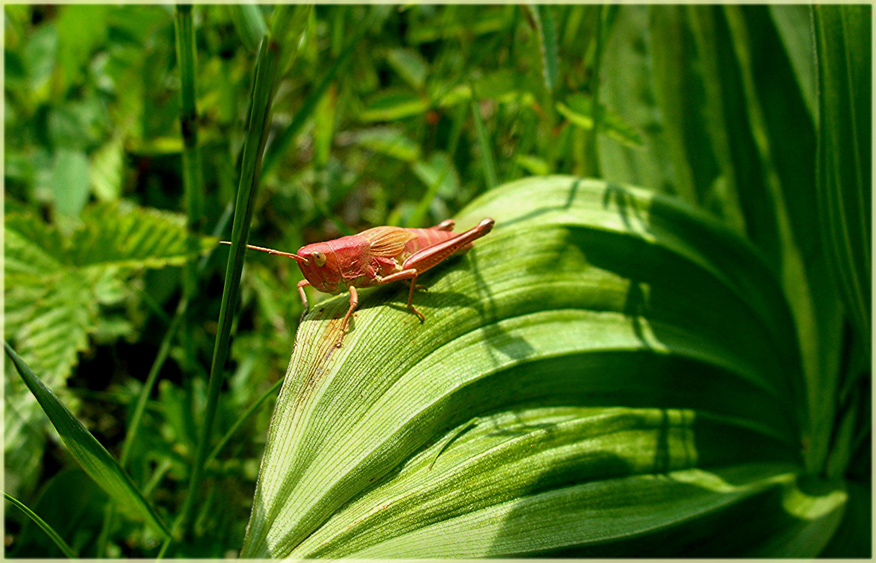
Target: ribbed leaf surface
{"points": [[608, 372], [843, 36]]}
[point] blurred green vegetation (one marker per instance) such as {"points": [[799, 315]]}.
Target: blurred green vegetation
{"points": [[389, 115]]}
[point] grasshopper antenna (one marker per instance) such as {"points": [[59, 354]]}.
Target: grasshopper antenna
{"points": [[271, 251]]}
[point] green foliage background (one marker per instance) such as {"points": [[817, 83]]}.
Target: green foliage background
{"points": [[714, 318]]}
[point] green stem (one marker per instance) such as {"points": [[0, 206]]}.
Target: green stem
{"points": [[255, 406], [140, 408], [591, 138], [483, 142], [192, 169], [109, 515]]}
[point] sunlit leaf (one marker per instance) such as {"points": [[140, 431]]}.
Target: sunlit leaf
{"points": [[624, 381]]}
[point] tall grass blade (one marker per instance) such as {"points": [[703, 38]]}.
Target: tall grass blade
{"points": [[163, 351], [591, 139], [487, 161], [193, 185], [44, 526], [86, 450], [258, 127], [250, 24], [257, 130], [546, 28]]}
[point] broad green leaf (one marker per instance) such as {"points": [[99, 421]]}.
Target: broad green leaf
{"points": [[737, 129], [782, 129], [687, 86], [608, 371], [641, 515], [70, 182], [86, 450]]}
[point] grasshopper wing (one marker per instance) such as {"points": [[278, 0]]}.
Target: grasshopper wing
{"points": [[387, 241]]}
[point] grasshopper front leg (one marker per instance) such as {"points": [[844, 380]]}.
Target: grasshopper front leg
{"points": [[301, 285], [427, 258], [354, 302]]}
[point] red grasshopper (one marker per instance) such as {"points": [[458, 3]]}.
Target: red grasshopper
{"points": [[377, 256]]}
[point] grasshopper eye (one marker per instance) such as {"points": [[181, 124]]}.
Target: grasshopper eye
{"points": [[319, 259]]}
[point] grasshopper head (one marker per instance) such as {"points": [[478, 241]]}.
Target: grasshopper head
{"points": [[319, 265]]}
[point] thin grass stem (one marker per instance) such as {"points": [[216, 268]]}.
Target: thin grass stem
{"points": [[193, 184], [241, 419], [483, 143], [44, 526], [270, 57]]}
